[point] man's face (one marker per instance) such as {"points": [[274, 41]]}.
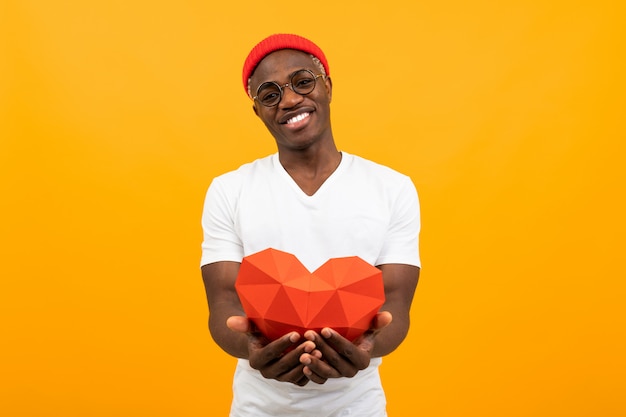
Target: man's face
{"points": [[298, 121]]}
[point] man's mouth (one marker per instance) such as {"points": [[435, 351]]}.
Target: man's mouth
{"points": [[298, 118]]}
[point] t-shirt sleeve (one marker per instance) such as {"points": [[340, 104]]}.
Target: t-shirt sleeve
{"points": [[402, 240], [220, 239]]}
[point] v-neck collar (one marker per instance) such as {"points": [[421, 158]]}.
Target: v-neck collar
{"points": [[282, 172]]}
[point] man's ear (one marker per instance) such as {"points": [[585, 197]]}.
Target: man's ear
{"points": [[256, 111], [329, 88]]}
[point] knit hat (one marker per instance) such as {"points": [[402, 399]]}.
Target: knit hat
{"points": [[277, 42]]}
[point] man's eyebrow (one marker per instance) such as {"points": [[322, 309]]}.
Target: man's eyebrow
{"points": [[294, 73], [289, 75]]}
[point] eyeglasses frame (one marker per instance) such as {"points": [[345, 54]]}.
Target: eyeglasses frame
{"points": [[289, 84]]}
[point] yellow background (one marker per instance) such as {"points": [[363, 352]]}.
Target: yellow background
{"points": [[509, 117]]}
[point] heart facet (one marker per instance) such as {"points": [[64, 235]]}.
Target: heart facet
{"points": [[280, 295]]}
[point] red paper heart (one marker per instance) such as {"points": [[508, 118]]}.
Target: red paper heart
{"points": [[280, 295]]}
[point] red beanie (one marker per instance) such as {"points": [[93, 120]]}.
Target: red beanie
{"points": [[277, 42]]}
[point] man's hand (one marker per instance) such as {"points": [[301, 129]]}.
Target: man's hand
{"points": [[272, 358], [335, 356]]}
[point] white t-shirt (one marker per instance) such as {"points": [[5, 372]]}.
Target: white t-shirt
{"points": [[363, 209]]}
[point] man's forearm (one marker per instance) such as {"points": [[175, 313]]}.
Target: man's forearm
{"points": [[389, 338], [233, 343]]}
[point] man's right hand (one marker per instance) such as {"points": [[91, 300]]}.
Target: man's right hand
{"points": [[280, 359]]}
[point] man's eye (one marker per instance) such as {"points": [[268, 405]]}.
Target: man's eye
{"points": [[303, 83], [269, 96]]}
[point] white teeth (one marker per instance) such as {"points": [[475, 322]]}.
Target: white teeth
{"points": [[297, 118]]}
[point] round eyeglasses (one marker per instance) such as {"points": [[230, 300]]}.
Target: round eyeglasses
{"points": [[302, 82]]}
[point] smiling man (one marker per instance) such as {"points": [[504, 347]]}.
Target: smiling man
{"points": [[317, 203]]}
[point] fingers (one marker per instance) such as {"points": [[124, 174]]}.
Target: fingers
{"points": [[262, 356], [338, 357], [316, 369], [367, 339], [239, 324], [356, 356], [294, 375], [323, 355], [381, 320], [288, 368], [276, 361]]}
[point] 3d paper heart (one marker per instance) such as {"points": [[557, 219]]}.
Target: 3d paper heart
{"points": [[280, 295]]}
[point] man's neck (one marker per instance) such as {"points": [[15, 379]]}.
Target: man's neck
{"points": [[310, 169]]}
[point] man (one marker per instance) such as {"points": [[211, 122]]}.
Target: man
{"points": [[317, 203]]}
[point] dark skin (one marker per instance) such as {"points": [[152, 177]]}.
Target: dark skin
{"points": [[307, 151]]}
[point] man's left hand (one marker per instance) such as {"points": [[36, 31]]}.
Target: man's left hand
{"points": [[339, 356]]}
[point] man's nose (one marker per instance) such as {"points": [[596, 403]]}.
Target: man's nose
{"points": [[290, 97]]}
